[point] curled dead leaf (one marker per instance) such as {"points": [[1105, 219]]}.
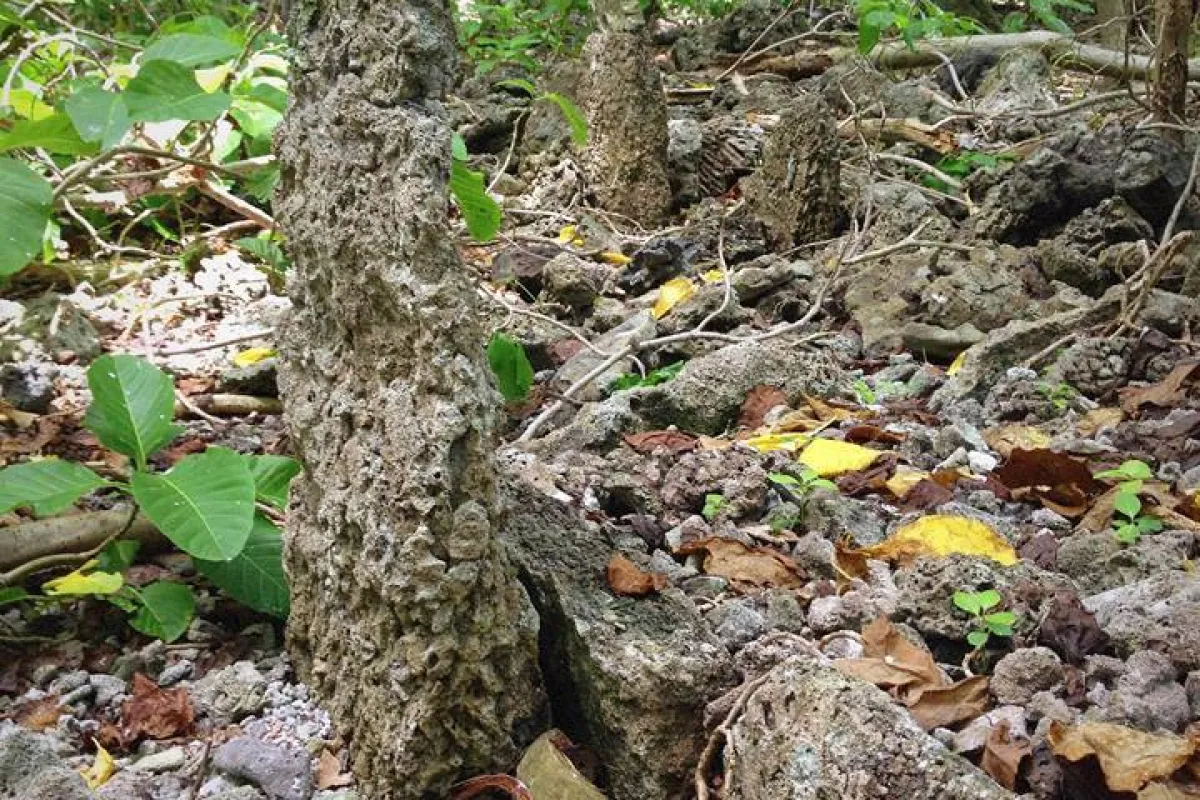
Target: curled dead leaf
{"points": [[673, 442], [329, 772], [1003, 753], [760, 400], [629, 580], [1170, 392], [1129, 758], [746, 566]]}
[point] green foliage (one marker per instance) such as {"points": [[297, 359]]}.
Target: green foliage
{"points": [[1129, 523], [909, 19], [571, 112], [205, 504], [651, 378], [987, 623], [25, 203], [803, 483], [864, 393], [497, 32], [514, 374], [713, 505], [962, 164], [480, 212], [1061, 395]]}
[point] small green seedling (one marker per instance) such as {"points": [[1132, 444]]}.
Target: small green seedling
{"points": [[864, 393], [1061, 395], [713, 503], [802, 484], [651, 378], [987, 625], [1129, 523]]}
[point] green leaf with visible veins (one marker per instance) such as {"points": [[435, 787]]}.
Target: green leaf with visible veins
{"points": [[165, 610], [272, 477], [133, 405], [47, 486], [54, 134], [25, 207], [204, 504], [99, 116], [255, 577], [165, 90], [480, 212]]}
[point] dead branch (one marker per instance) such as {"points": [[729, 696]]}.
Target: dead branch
{"points": [[72, 534]]}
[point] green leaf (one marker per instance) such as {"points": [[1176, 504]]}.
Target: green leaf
{"points": [[165, 610], [988, 598], [48, 486], [262, 182], [165, 90], [782, 478], [1014, 22], [575, 118], [133, 405], [191, 50], [968, 602], [458, 148], [1149, 524], [99, 116], [713, 503], [1128, 533], [25, 207], [510, 365], [255, 577], [868, 37], [257, 120], [1001, 622], [652, 378], [266, 251], [82, 583], [272, 476], [118, 556], [1127, 503], [12, 594], [480, 212], [55, 134], [522, 84], [977, 639], [204, 504], [1136, 470]]}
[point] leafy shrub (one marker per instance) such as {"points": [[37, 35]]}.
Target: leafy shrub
{"points": [[205, 504], [496, 33], [1129, 523], [909, 19]]}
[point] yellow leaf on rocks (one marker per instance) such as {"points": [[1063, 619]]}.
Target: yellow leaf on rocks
{"points": [[100, 771], [941, 535], [713, 276], [671, 294], [1006, 438], [957, 364], [770, 442], [904, 479], [829, 457], [78, 582], [570, 235], [252, 355], [1128, 758], [615, 258]]}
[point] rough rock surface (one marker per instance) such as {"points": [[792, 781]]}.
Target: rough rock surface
{"points": [[811, 732], [30, 770], [281, 773], [627, 678]]}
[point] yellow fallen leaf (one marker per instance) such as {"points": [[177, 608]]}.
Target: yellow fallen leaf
{"points": [[211, 79], [713, 276], [941, 535], [252, 355], [904, 479], [615, 258], [1128, 758], [829, 457], [957, 364], [78, 582], [770, 442], [570, 235], [671, 294], [100, 771], [1015, 436]]}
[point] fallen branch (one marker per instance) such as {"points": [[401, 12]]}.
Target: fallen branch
{"points": [[70, 535]]}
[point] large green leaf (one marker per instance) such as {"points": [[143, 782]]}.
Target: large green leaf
{"points": [[272, 476], [574, 117], [191, 50], [514, 373], [165, 90], [25, 205], [481, 213], [257, 120], [255, 578], [99, 116], [133, 403], [54, 134], [48, 486], [204, 504], [165, 611]]}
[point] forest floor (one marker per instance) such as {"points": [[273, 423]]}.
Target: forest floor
{"points": [[953, 451]]}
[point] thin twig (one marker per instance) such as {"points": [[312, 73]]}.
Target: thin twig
{"points": [[720, 736], [200, 348]]}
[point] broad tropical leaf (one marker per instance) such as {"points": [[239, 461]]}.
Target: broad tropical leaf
{"points": [[165, 611], [165, 90], [272, 476], [54, 134], [481, 213], [133, 405], [255, 578], [48, 486], [99, 116], [514, 373], [204, 504], [191, 50], [25, 204]]}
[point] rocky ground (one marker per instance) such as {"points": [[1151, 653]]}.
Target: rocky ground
{"points": [[712, 616]]}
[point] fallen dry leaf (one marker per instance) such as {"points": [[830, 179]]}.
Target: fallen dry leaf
{"points": [[39, 715], [1129, 758], [944, 706], [904, 479], [329, 774], [1069, 629], [629, 580], [746, 566], [830, 457], [759, 401], [1046, 470], [484, 783], [1006, 438], [549, 773], [1003, 754], [832, 411], [155, 713], [927, 494], [1170, 392], [103, 767], [1097, 420], [671, 294], [861, 434], [940, 535], [673, 442]]}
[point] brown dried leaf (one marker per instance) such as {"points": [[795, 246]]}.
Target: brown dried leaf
{"points": [[827, 410], [1006, 438], [862, 434], [1003, 754], [759, 401], [745, 566], [477, 786], [1097, 420], [926, 494], [943, 706], [329, 774], [1167, 393], [1069, 629], [1128, 758], [39, 715], [155, 713], [1046, 468], [882, 641], [629, 580], [673, 442]]}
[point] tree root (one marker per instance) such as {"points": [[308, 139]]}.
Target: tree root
{"points": [[69, 536]]}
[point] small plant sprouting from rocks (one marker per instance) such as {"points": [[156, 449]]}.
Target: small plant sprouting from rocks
{"points": [[1129, 523], [987, 623], [798, 488], [1061, 395], [713, 504]]}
